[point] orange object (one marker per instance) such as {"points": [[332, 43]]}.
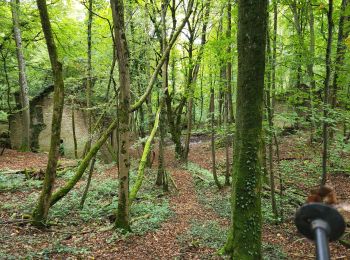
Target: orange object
{"points": [[324, 194]]}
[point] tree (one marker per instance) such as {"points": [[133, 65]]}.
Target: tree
{"points": [[41, 210], [244, 238], [22, 77], [326, 92], [121, 46]]}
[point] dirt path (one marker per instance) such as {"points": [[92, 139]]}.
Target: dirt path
{"points": [[163, 243]]}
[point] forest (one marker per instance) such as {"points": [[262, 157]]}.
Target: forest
{"points": [[174, 129]]}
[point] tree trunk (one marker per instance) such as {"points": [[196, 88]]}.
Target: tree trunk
{"points": [[146, 151], [86, 190], [341, 49], [89, 76], [244, 239], [310, 69], [269, 110], [25, 146], [122, 220], [42, 208], [326, 93], [298, 26], [212, 118], [4, 60], [74, 133], [83, 164], [229, 64], [161, 169]]}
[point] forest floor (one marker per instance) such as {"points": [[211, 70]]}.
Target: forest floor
{"points": [[188, 223]]}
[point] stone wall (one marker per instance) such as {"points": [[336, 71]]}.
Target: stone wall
{"points": [[45, 105], [66, 128]]}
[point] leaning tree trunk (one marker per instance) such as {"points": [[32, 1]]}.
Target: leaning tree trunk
{"points": [[244, 238], [42, 208], [25, 146], [122, 220]]}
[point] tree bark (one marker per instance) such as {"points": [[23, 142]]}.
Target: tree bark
{"points": [[269, 109], [161, 169], [244, 238], [121, 46], [4, 60], [86, 190], [326, 93], [229, 64], [341, 49], [89, 76], [310, 69], [25, 146], [212, 136], [41, 210], [74, 133], [146, 151]]}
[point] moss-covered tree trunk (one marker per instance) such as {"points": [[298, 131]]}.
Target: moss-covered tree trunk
{"points": [[122, 220], [41, 210], [25, 146], [244, 239], [161, 168]]}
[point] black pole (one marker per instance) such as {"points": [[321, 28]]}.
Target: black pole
{"points": [[321, 231], [321, 223]]}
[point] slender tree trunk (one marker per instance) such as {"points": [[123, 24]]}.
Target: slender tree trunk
{"points": [[4, 60], [122, 220], [227, 143], [89, 76], [269, 110], [326, 92], [228, 115], [244, 238], [310, 69], [86, 190], [274, 56], [229, 64], [341, 49], [297, 24], [25, 146], [42, 208], [143, 161], [161, 169], [74, 133], [59, 194], [202, 100], [212, 119]]}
